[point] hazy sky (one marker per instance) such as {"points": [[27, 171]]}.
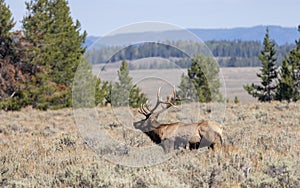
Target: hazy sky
{"points": [[99, 17]]}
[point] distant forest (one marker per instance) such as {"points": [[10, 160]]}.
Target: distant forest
{"points": [[228, 53]]}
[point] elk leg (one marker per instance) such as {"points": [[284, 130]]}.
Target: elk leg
{"points": [[194, 145], [180, 142], [168, 144]]}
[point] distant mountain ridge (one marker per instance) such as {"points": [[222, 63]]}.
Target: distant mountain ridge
{"points": [[281, 35]]}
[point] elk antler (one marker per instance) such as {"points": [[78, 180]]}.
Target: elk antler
{"points": [[144, 108], [171, 101]]}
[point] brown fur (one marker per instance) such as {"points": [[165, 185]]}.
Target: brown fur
{"points": [[179, 134], [196, 135]]}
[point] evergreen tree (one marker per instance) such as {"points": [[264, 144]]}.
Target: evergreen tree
{"points": [[50, 28], [136, 98], [102, 90], [286, 84], [294, 62], [6, 24], [202, 82], [187, 89], [6, 19], [14, 70], [88, 91], [289, 81], [268, 73], [56, 48], [10, 71], [236, 100], [6, 50], [124, 92]]}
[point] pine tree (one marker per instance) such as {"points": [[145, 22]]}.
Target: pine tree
{"points": [[202, 82], [50, 27], [286, 84], [294, 62], [6, 24], [236, 100], [265, 91], [124, 92], [289, 81], [56, 48], [6, 50], [6, 19], [15, 72], [8, 85], [87, 90], [187, 89]]}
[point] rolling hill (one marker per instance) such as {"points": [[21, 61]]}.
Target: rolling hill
{"points": [[281, 35]]}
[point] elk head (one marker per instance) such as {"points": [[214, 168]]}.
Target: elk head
{"points": [[150, 122]]}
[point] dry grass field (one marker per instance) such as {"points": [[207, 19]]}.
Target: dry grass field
{"points": [[234, 79], [45, 149]]}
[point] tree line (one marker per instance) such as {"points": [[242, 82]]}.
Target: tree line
{"points": [[228, 53], [39, 62]]}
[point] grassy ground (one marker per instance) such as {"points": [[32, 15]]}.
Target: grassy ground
{"points": [[45, 149], [234, 79]]}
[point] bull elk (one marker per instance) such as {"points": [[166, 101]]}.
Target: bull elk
{"points": [[179, 134]]}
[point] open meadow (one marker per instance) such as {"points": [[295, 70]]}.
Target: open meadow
{"points": [[45, 149], [93, 95], [234, 79]]}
